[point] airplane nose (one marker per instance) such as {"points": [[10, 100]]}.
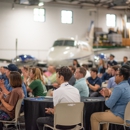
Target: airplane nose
{"points": [[59, 53]]}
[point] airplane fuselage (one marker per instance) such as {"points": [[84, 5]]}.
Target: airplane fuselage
{"points": [[65, 50]]}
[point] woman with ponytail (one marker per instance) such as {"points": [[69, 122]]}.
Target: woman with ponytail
{"points": [[37, 86]]}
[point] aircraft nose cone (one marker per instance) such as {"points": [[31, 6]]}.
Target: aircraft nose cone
{"points": [[59, 53]]}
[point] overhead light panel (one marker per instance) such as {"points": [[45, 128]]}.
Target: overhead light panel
{"points": [[40, 4]]}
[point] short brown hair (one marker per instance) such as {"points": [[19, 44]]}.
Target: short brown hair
{"points": [[115, 67], [82, 70], [15, 79], [94, 70], [65, 72]]}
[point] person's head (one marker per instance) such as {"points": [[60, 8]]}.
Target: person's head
{"points": [[121, 75], [72, 69], [10, 68], [126, 66], [35, 74], [75, 62], [125, 59], [85, 66], [80, 73], [52, 69], [2, 70], [109, 70], [15, 79], [24, 69], [114, 69], [111, 57], [63, 75], [101, 62], [41, 70], [94, 72]]}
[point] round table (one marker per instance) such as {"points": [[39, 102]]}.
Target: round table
{"points": [[34, 108]]}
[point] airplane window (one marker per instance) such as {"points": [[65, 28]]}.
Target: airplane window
{"points": [[58, 43], [69, 43], [64, 43]]}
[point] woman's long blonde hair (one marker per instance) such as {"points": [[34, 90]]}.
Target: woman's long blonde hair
{"points": [[37, 74]]}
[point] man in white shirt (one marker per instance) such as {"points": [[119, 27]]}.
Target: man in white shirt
{"points": [[64, 94]]}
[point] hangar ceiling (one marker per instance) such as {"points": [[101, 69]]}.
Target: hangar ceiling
{"points": [[114, 4]]}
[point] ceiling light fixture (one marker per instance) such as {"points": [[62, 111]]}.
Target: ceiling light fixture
{"points": [[40, 4]]}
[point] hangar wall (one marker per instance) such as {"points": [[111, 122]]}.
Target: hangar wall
{"points": [[36, 38]]}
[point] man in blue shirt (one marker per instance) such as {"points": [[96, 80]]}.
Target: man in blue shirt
{"points": [[111, 62], [80, 83], [107, 75], [111, 82], [117, 101], [94, 83]]}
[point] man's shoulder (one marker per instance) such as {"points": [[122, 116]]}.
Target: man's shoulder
{"points": [[112, 78], [89, 78]]}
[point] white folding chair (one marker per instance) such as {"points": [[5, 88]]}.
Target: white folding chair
{"points": [[68, 114], [17, 114], [126, 118]]}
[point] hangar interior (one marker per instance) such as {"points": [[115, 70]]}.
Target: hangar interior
{"points": [[18, 23]]}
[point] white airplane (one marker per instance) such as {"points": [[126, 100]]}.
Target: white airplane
{"points": [[64, 51]]}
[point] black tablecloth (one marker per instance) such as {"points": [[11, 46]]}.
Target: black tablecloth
{"points": [[49, 87], [34, 109], [90, 107]]}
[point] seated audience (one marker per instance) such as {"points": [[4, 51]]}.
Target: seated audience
{"points": [[37, 86], [25, 73], [75, 63], [72, 79], [3, 75], [87, 71], [111, 61], [8, 103], [107, 75], [116, 101], [64, 94], [127, 67], [6, 86], [101, 68], [125, 61], [44, 77], [80, 83], [111, 82], [51, 78], [94, 83]]}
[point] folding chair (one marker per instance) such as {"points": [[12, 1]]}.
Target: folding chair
{"points": [[17, 114], [126, 118], [68, 114]]}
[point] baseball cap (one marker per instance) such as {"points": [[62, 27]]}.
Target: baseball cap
{"points": [[11, 67]]}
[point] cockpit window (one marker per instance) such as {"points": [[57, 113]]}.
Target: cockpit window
{"points": [[58, 43], [69, 43], [64, 43]]}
